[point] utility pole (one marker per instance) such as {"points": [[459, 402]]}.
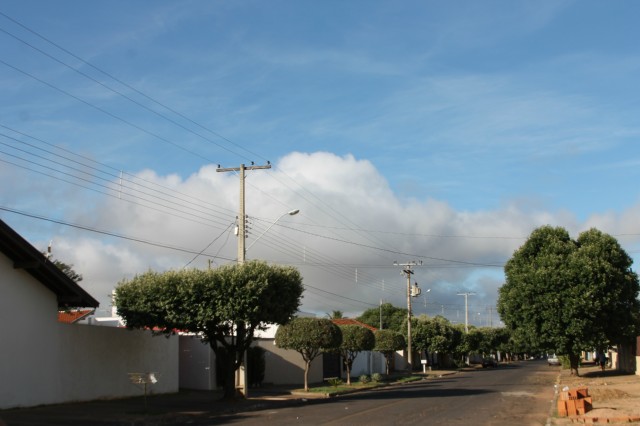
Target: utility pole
{"points": [[415, 292], [242, 235], [241, 375], [466, 310]]}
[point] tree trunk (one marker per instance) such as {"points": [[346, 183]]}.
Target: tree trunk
{"points": [[347, 365], [306, 375], [574, 361], [226, 358]]}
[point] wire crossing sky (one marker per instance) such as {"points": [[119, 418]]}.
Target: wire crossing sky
{"points": [[412, 131]]}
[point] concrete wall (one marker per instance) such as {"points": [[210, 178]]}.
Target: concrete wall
{"points": [[43, 361], [367, 362], [197, 364], [282, 367], [287, 366]]}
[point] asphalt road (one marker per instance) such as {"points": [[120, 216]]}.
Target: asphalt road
{"points": [[519, 394]]}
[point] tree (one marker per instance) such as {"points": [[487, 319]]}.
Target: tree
{"points": [[388, 342], [335, 315], [433, 334], [355, 339], [309, 337], [67, 268], [566, 296], [392, 317], [225, 305]]}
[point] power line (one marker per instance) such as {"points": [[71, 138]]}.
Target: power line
{"points": [[103, 232]]}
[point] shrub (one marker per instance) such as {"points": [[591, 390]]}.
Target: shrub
{"points": [[364, 379], [335, 381], [376, 377]]}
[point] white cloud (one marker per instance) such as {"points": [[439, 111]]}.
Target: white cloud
{"points": [[350, 229]]}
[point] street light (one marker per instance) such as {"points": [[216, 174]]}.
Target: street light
{"points": [[290, 213]]}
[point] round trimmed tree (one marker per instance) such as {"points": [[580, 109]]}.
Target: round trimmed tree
{"points": [[309, 337]]}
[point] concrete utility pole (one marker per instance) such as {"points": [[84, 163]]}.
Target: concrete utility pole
{"points": [[466, 309], [406, 270], [241, 376], [242, 235]]}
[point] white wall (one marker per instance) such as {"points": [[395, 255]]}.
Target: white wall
{"points": [[43, 361], [368, 362]]}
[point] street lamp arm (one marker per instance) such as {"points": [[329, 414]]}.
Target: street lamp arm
{"points": [[290, 213]]}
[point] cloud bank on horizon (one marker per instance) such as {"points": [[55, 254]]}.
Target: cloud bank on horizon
{"points": [[420, 131]]}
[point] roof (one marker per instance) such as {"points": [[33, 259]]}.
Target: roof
{"points": [[350, 321], [74, 315], [27, 257]]}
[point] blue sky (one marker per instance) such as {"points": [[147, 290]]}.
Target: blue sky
{"points": [[440, 131]]}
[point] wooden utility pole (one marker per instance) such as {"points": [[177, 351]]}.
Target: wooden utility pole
{"points": [[242, 220]]}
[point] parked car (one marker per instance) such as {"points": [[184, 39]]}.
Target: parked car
{"points": [[489, 362], [553, 360]]}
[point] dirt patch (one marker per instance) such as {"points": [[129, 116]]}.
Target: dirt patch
{"points": [[615, 395], [606, 394]]}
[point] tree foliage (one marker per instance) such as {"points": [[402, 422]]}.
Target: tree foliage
{"points": [[309, 337], [392, 317], [388, 342], [355, 339], [566, 296], [224, 305], [67, 268], [433, 334]]}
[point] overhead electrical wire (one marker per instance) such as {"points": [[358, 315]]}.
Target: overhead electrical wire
{"points": [[104, 232], [110, 184], [113, 171]]}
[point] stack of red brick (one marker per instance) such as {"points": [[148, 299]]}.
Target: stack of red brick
{"points": [[574, 402]]}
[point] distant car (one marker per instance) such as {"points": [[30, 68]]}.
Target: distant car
{"points": [[489, 362], [553, 360]]}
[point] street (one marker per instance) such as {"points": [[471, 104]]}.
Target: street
{"points": [[520, 393]]}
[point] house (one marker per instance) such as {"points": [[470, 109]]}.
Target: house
{"points": [[44, 361]]}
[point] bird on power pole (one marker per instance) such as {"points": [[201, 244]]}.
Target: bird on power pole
{"points": [[411, 292], [241, 214]]}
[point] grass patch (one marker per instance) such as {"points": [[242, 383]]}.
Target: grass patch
{"points": [[408, 379], [335, 387]]}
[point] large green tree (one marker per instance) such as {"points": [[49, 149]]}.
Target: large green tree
{"points": [[224, 305], [433, 334], [392, 317], [309, 337], [566, 296], [355, 339]]}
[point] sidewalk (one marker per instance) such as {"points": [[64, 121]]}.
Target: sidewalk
{"points": [[615, 395], [185, 407]]}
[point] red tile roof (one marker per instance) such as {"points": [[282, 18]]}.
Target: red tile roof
{"points": [[350, 321], [72, 316]]}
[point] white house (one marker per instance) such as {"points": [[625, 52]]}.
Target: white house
{"points": [[44, 361]]}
